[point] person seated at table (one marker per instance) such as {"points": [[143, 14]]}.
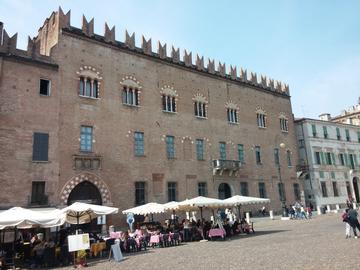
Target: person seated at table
{"points": [[227, 227], [39, 253], [235, 227], [130, 241], [245, 226], [2, 259]]}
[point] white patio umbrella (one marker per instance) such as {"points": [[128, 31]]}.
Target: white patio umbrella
{"points": [[81, 213], [201, 202], [171, 206], [22, 218], [149, 208], [239, 200]]}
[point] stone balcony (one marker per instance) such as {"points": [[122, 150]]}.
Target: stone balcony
{"points": [[222, 165], [87, 162]]}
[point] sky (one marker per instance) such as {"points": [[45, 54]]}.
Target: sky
{"points": [[314, 46]]}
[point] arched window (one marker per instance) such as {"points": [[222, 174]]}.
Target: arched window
{"points": [[283, 123], [261, 118], [169, 99], [200, 106], [89, 82], [131, 91], [232, 112]]}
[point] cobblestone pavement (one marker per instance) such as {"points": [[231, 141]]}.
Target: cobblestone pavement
{"points": [[296, 244]]}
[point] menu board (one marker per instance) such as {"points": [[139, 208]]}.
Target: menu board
{"points": [[78, 242]]}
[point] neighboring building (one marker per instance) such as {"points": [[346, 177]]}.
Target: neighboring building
{"points": [[329, 155], [86, 117], [350, 116]]}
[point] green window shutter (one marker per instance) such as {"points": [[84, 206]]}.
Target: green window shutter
{"points": [[322, 158], [355, 159], [346, 159], [333, 158]]}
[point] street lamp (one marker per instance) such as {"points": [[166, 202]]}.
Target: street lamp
{"points": [[282, 188]]}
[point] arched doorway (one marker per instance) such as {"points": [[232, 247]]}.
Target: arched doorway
{"points": [[85, 192], [356, 188], [224, 191]]}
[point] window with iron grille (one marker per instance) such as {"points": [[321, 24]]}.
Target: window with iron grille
{"points": [[172, 191], [40, 146], [139, 143], [222, 148], [241, 153], [262, 190], [202, 189], [199, 149], [244, 189], [86, 138], [258, 155], [38, 193], [140, 193], [170, 146]]}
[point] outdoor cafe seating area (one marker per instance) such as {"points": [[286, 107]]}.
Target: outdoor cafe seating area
{"points": [[27, 241]]}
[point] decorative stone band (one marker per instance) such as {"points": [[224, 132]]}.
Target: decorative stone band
{"points": [[92, 178]]}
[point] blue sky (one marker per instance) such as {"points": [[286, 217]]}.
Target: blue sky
{"points": [[314, 46]]}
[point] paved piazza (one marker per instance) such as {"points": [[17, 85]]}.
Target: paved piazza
{"points": [[297, 244]]}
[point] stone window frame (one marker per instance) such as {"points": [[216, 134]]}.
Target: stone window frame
{"points": [[200, 106], [232, 112], [169, 99], [261, 117], [284, 122], [131, 91], [89, 74]]}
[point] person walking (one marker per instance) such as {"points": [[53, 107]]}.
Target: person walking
{"points": [[345, 218], [353, 221]]}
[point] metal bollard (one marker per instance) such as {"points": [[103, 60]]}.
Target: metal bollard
{"points": [[271, 213], [247, 217], [318, 208]]}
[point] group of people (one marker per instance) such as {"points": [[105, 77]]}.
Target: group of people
{"points": [[298, 211], [350, 217]]}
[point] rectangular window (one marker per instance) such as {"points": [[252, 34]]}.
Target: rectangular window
{"points": [[276, 156], [140, 193], [347, 134], [86, 138], [40, 147], [262, 190], [288, 157], [45, 87], [317, 158], [358, 134], [139, 143], [281, 190], [313, 128], [301, 143], [338, 135], [172, 191], [261, 120], [336, 192], [328, 158], [200, 109], [241, 154], [321, 174], [232, 115], [222, 149], [332, 175], [297, 192], [258, 154], [170, 146], [284, 125], [38, 193], [323, 189], [244, 189], [169, 103], [325, 132], [202, 189], [200, 149], [352, 159], [342, 160]]}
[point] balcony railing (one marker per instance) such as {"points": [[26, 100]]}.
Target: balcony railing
{"points": [[221, 165], [87, 162], [302, 168]]}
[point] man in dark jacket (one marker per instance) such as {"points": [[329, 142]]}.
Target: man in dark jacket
{"points": [[353, 220]]}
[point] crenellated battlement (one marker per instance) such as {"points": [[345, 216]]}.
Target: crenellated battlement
{"points": [[49, 33]]}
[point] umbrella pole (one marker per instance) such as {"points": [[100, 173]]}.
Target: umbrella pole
{"points": [[152, 217], [201, 222], [14, 255], [239, 212]]}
